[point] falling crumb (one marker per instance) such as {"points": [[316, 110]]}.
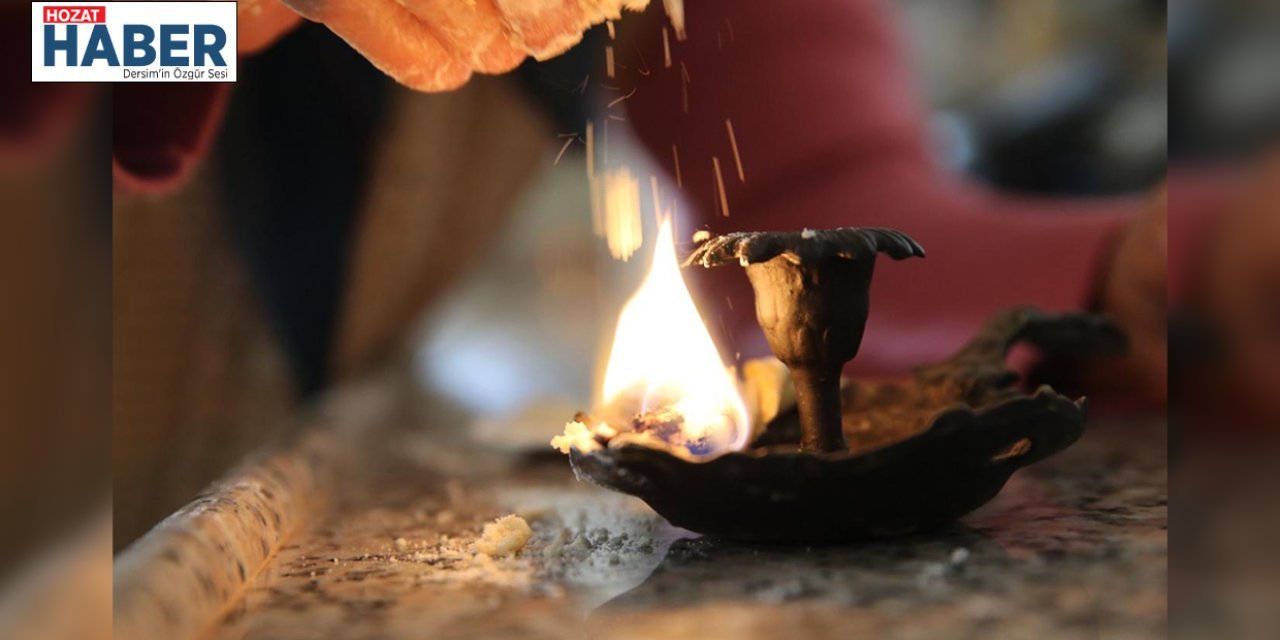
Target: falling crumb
{"points": [[503, 537], [808, 234], [733, 142], [666, 49], [724, 198], [401, 544], [608, 61], [591, 151], [959, 556], [675, 155], [701, 235], [621, 213]]}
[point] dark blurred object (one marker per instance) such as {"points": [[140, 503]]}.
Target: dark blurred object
{"points": [[1224, 98], [1224, 345], [296, 154], [1046, 96]]}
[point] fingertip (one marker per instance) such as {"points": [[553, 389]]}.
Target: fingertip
{"points": [[261, 22]]}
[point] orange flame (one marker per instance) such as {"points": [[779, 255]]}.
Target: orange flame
{"points": [[663, 359]]}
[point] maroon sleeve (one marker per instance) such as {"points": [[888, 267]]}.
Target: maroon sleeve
{"points": [[831, 134]]}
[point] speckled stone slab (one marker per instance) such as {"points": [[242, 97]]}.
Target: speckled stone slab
{"points": [[1075, 547]]}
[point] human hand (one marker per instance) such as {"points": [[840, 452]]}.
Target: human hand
{"points": [[435, 45], [1133, 293], [1238, 295]]}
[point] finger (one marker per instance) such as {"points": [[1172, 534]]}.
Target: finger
{"points": [[546, 27], [261, 22], [392, 38], [473, 32]]}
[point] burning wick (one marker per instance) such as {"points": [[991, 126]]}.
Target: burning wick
{"points": [[665, 385]]}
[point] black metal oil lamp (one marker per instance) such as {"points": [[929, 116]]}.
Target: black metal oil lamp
{"points": [[855, 460]]}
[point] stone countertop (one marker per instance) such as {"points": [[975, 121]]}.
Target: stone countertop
{"points": [[1074, 547]]}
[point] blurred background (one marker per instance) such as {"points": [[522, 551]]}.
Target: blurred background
{"points": [[487, 308]]}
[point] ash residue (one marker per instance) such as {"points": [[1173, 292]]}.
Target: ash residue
{"points": [[592, 545]]}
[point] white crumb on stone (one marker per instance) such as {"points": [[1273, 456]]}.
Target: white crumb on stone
{"points": [[808, 234], [959, 556], [503, 537], [401, 544]]}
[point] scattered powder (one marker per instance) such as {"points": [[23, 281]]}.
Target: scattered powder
{"points": [[503, 537]]}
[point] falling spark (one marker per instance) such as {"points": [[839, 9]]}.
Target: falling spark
{"points": [[563, 149], [620, 99], [644, 64], [675, 155], [591, 151], [582, 86], [608, 61], [724, 199], [608, 24], [617, 118], [733, 141], [729, 301], [666, 49]]}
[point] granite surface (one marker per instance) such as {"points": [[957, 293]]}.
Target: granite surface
{"points": [[1074, 547]]}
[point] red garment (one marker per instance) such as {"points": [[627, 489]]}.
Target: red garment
{"points": [[830, 135]]}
